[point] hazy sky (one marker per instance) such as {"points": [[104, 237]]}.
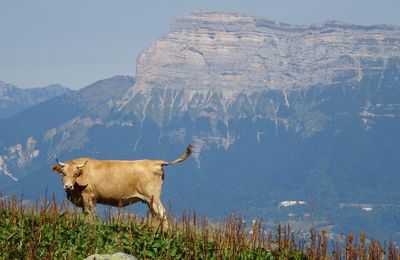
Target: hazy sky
{"points": [[76, 42]]}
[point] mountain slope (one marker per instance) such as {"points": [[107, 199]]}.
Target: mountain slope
{"points": [[50, 127]]}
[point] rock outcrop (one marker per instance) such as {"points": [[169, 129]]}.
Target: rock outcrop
{"points": [[210, 50]]}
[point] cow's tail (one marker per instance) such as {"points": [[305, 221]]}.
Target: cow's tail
{"points": [[183, 157]]}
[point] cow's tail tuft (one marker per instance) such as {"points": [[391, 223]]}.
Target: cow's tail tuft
{"points": [[183, 157]]}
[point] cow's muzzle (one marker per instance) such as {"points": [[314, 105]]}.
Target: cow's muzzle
{"points": [[68, 187]]}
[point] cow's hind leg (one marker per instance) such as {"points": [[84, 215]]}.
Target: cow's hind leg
{"points": [[160, 210], [157, 209]]}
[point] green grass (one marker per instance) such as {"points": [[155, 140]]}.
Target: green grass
{"points": [[50, 231]]}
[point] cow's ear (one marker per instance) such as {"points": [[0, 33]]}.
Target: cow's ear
{"points": [[56, 169]]}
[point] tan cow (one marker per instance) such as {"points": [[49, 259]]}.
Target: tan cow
{"points": [[89, 181]]}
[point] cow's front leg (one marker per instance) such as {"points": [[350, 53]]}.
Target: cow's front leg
{"points": [[89, 205]]}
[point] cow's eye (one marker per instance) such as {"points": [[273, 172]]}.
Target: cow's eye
{"points": [[76, 174]]}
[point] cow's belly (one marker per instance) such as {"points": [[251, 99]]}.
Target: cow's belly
{"points": [[121, 202]]}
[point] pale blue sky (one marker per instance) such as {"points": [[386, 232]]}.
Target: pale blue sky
{"points": [[76, 42]]}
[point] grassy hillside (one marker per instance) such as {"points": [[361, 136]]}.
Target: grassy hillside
{"points": [[51, 231]]}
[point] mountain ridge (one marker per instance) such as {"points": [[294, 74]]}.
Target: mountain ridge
{"points": [[214, 15], [13, 99]]}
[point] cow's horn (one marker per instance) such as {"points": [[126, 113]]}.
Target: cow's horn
{"points": [[81, 165], [60, 163]]}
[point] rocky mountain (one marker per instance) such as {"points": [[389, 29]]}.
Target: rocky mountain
{"points": [[14, 99], [289, 123]]}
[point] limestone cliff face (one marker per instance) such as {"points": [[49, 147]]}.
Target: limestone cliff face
{"points": [[209, 50]]}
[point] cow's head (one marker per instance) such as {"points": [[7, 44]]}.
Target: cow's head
{"points": [[69, 172]]}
